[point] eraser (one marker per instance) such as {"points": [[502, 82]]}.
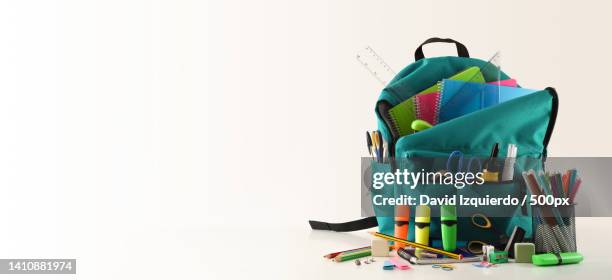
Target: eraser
{"points": [[400, 264], [523, 252], [517, 236], [388, 265], [380, 247]]}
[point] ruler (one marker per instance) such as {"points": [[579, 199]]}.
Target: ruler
{"points": [[377, 66]]}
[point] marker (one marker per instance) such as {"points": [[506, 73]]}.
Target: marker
{"points": [[556, 259], [491, 171], [448, 219], [402, 220], [421, 225]]}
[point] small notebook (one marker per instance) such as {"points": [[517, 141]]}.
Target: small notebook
{"points": [[427, 106], [458, 98], [507, 83], [404, 113]]}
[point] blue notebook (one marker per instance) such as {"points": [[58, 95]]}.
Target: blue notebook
{"points": [[458, 98]]}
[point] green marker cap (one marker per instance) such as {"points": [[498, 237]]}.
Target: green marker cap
{"points": [[448, 213]]}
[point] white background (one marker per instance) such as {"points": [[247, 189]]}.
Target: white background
{"points": [[135, 134]]}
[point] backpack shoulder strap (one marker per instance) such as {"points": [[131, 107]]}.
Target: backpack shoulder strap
{"points": [[360, 224]]}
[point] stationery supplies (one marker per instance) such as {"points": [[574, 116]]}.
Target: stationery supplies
{"points": [[491, 170], [369, 144], [484, 264], [498, 257], [508, 171], [376, 145], [404, 113], [544, 223], [507, 83], [555, 224], [417, 245], [375, 65], [380, 247], [398, 263], [427, 107], [419, 125], [332, 255], [556, 259], [523, 252], [445, 267], [406, 254], [402, 221], [486, 250], [352, 255], [420, 261], [458, 98], [387, 265], [572, 194], [357, 262], [448, 220], [421, 224], [517, 235], [553, 237]]}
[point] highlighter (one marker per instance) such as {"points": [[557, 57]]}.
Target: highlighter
{"points": [[556, 259], [448, 220], [402, 219], [421, 225], [419, 125], [491, 170]]}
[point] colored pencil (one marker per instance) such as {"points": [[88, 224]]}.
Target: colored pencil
{"points": [[332, 255], [572, 195], [353, 255]]}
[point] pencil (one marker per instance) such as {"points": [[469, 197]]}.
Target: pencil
{"points": [[417, 245], [353, 255], [332, 255]]}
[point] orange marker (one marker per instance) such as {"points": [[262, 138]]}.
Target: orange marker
{"points": [[566, 178], [402, 219]]}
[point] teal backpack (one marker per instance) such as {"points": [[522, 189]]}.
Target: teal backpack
{"points": [[526, 121]]}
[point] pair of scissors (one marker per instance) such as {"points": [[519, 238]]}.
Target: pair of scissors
{"points": [[480, 220], [445, 267], [459, 155]]}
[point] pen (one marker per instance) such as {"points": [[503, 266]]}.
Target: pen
{"points": [[380, 146], [369, 142]]}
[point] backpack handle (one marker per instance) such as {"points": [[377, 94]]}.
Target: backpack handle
{"points": [[461, 49]]}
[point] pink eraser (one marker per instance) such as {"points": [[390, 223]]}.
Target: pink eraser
{"points": [[400, 264]]}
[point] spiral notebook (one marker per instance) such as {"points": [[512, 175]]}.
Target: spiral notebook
{"points": [[404, 113], [458, 98]]}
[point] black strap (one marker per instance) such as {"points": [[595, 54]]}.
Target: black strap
{"points": [[364, 223], [559, 259], [461, 49]]}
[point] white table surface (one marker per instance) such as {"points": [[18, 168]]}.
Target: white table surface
{"points": [[291, 253]]}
